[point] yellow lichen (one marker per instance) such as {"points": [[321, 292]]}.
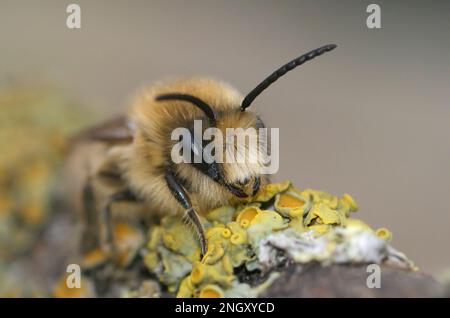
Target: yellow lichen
{"points": [[127, 241], [292, 203], [248, 214], [235, 232], [214, 253], [348, 199], [94, 258], [226, 233], [267, 192], [322, 213], [238, 238], [384, 233], [223, 214], [211, 291], [357, 223], [64, 288]]}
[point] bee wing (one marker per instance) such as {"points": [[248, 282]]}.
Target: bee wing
{"points": [[116, 130], [89, 157]]}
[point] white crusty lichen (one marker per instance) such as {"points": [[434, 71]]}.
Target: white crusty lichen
{"points": [[342, 245]]}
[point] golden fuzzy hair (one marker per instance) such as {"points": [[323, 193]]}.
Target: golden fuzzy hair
{"points": [[144, 162]]}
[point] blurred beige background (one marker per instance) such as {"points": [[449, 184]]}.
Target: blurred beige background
{"points": [[372, 118]]}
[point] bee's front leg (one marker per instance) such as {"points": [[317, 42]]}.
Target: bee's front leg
{"points": [[108, 237], [182, 197]]}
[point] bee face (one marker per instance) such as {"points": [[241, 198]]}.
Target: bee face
{"points": [[244, 152], [236, 159], [248, 187]]}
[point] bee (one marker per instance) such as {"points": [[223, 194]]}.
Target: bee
{"points": [[137, 149]]}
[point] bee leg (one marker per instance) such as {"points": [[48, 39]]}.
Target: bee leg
{"points": [[182, 197], [89, 238], [108, 238], [195, 220]]}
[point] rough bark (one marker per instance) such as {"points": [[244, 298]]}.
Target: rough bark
{"points": [[350, 281]]}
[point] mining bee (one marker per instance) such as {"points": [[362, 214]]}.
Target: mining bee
{"points": [[136, 149]]}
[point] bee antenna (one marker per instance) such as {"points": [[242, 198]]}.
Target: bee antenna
{"points": [[209, 112], [283, 70]]}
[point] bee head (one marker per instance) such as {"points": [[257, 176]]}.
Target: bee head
{"points": [[231, 145], [224, 144]]}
